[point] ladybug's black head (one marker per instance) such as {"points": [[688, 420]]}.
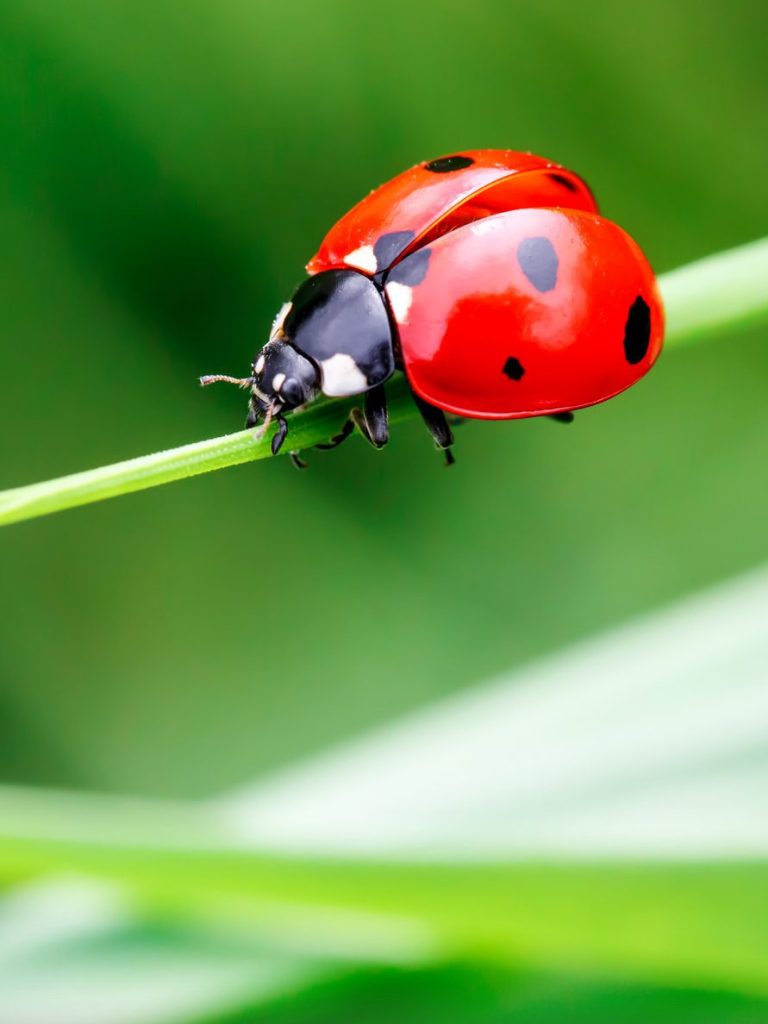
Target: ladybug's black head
{"points": [[282, 379]]}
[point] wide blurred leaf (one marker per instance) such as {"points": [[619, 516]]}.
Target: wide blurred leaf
{"points": [[601, 812]]}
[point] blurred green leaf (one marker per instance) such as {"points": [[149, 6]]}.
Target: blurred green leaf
{"points": [[73, 952], [524, 789], [659, 922]]}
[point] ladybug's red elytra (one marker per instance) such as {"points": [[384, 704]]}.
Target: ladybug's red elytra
{"points": [[488, 277]]}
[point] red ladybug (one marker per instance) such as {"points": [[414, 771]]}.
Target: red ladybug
{"points": [[488, 277]]}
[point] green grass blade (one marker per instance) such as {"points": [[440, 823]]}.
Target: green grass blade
{"points": [[717, 293]]}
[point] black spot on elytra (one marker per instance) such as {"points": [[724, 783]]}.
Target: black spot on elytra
{"points": [[565, 182], [412, 270], [538, 261], [637, 330], [389, 246], [448, 163], [513, 369]]}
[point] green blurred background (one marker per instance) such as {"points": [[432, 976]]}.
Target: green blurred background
{"points": [[166, 169]]}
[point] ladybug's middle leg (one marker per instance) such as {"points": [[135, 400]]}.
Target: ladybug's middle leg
{"points": [[346, 431], [437, 425], [372, 422]]}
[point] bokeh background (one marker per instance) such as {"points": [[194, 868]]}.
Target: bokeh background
{"points": [[166, 169]]}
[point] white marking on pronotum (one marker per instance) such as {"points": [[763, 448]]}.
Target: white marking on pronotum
{"points": [[342, 376], [259, 365], [363, 258], [277, 323], [400, 298], [277, 381]]}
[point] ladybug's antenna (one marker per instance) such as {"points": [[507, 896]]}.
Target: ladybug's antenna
{"points": [[216, 378]]}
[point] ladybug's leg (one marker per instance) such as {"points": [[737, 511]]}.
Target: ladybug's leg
{"points": [[562, 417], [438, 427], [373, 422], [282, 431], [346, 431]]}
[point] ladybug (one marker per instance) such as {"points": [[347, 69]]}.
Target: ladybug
{"points": [[488, 277]]}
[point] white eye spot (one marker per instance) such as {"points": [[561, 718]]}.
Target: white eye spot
{"points": [[400, 298], [277, 323], [363, 259], [259, 365], [342, 376], [277, 381]]}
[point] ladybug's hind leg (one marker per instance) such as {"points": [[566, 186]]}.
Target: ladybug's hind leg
{"points": [[437, 425], [562, 417]]}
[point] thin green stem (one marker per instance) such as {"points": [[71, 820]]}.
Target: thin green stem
{"points": [[719, 292]]}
